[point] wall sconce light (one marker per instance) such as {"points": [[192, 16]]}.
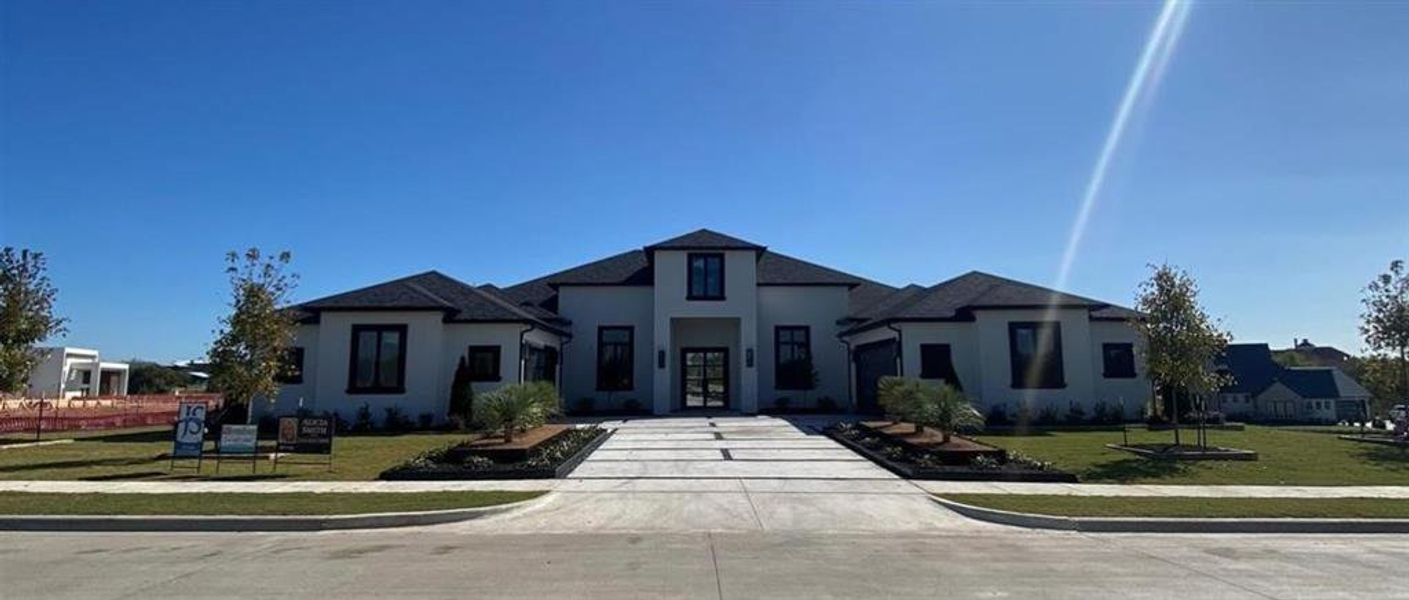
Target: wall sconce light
{"points": [[660, 359], [748, 358]]}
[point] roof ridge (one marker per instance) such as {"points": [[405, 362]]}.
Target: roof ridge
{"points": [[364, 288]]}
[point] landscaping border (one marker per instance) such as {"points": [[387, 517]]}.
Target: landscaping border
{"points": [[559, 472], [1172, 525], [1212, 453], [228, 523], [952, 474]]}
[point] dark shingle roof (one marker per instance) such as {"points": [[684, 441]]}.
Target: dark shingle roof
{"points": [[431, 290], [1251, 366], [704, 239], [955, 298], [1310, 382]]}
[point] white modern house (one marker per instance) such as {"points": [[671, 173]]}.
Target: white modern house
{"points": [[706, 321], [66, 372]]}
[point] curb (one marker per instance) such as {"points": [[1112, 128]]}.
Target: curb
{"points": [[233, 523], [1171, 525]]}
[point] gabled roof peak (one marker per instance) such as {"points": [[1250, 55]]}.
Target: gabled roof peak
{"points": [[704, 239]]}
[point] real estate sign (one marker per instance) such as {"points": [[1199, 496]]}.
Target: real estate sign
{"points": [[306, 435], [190, 430], [238, 439]]}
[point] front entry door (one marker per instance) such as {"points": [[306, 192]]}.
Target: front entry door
{"points": [[873, 361], [704, 377]]}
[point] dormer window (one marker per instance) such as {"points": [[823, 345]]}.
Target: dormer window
{"points": [[705, 277]]}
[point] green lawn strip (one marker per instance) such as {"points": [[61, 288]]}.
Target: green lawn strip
{"points": [[1286, 457], [294, 503], [133, 455], [1119, 506]]}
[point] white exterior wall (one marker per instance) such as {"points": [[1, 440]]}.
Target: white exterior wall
{"points": [[47, 378], [590, 307], [50, 377], [996, 365], [741, 303], [1135, 393], [287, 401], [817, 307], [963, 347]]}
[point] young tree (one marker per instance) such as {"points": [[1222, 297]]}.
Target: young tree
{"points": [[1178, 339], [250, 349], [26, 315], [1385, 322]]}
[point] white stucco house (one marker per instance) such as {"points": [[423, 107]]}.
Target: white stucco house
{"points": [[66, 372], [706, 321]]}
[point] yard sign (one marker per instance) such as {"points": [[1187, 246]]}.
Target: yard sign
{"points": [[189, 439], [238, 441]]}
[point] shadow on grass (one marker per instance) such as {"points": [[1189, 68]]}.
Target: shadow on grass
{"points": [[1384, 457], [125, 476], [131, 437], [225, 477], [80, 464], [1129, 469]]}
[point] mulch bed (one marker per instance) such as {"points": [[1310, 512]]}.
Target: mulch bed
{"points": [[554, 457], [957, 451], [494, 447], [913, 461]]}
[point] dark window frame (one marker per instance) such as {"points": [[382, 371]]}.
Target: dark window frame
{"points": [[690, 276], [605, 382], [1126, 370], [945, 371], [375, 388], [498, 353], [1046, 379], [291, 372], [540, 363], [782, 378]]}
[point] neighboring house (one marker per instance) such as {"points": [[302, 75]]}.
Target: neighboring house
{"points": [[1264, 390], [71, 372], [708, 321], [1305, 353]]}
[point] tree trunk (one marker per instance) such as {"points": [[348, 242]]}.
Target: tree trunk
{"points": [[509, 434], [944, 439], [1174, 418]]}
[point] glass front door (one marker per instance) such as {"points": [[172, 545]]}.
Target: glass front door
{"points": [[704, 376]]}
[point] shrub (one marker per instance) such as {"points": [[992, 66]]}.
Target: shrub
{"points": [[340, 424], [462, 396], [924, 404], [782, 402], [1047, 416], [984, 462], [998, 416], [1025, 417], [584, 405], [1022, 460], [1099, 414], [516, 407], [827, 404], [425, 420], [395, 420], [1075, 414], [631, 405], [363, 422]]}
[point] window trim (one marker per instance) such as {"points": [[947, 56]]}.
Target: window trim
{"points": [[1019, 377], [1106, 371], [400, 386], [952, 377], [778, 383], [496, 350], [630, 358], [690, 276]]}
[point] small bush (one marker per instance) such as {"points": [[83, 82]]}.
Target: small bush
{"points": [[584, 405], [1025, 416], [517, 407], [827, 404], [631, 405], [1028, 462], [1076, 415], [782, 402], [395, 421], [425, 420], [340, 424], [1047, 416], [985, 462], [998, 416], [363, 422]]}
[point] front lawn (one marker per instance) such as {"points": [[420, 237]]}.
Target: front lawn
{"points": [[26, 503], [134, 455], [1286, 457], [1117, 506]]}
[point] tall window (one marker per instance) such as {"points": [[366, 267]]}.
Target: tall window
{"points": [[937, 362], [1118, 361], [614, 359], [292, 372], [540, 363], [792, 357], [378, 360], [483, 362], [706, 276], [1035, 351]]}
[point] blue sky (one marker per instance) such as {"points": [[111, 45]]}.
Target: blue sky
{"points": [[500, 141]]}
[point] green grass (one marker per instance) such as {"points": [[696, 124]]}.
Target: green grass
{"points": [[26, 503], [1286, 457], [1112, 506], [133, 455]]}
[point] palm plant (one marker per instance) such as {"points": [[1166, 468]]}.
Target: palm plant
{"points": [[516, 407], [924, 404]]}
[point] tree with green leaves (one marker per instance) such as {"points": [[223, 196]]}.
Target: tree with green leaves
{"points": [[26, 315], [1179, 340], [250, 352], [146, 377], [1385, 322]]}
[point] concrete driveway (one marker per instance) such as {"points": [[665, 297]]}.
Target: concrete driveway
{"points": [[726, 473]]}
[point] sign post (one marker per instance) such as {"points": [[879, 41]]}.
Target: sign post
{"points": [[238, 441], [305, 435], [189, 437]]}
